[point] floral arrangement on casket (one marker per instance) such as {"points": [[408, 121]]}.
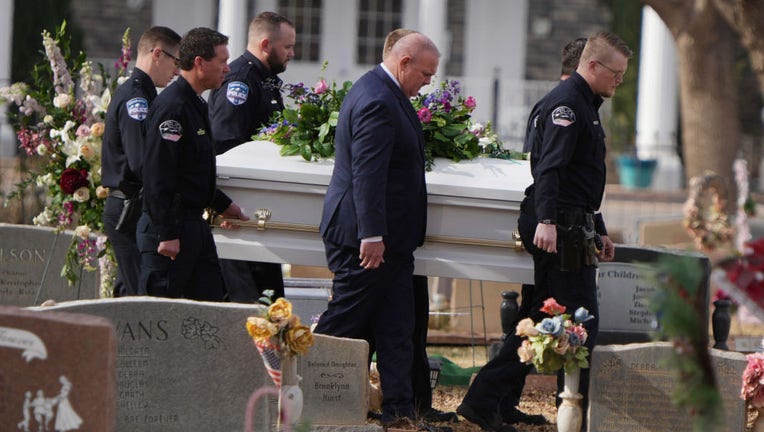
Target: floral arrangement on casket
{"points": [[556, 342], [60, 124], [308, 127]]}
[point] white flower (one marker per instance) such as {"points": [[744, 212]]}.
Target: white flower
{"points": [[82, 231], [101, 242], [42, 149], [44, 218], [100, 104], [47, 179], [122, 79], [62, 100], [82, 194], [48, 119]]}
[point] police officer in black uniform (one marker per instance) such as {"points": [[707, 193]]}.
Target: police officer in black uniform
{"points": [[558, 221], [241, 107], [509, 411], [123, 147], [179, 258]]}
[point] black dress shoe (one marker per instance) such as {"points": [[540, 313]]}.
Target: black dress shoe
{"points": [[438, 416], [517, 416], [492, 423]]}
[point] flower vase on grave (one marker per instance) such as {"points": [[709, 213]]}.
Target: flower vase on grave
{"points": [[290, 396], [720, 323], [569, 414]]}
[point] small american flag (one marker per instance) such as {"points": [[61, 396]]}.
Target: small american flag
{"points": [[271, 360]]}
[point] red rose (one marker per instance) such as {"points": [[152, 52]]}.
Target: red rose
{"points": [[72, 179]]}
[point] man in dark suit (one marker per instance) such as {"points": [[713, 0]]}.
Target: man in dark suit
{"points": [[375, 215]]}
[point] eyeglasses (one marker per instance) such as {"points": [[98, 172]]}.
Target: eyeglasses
{"points": [[616, 74], [177, 60]]}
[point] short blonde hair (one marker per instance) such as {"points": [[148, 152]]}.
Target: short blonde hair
{"points": [[393, 37], [600, 46]]}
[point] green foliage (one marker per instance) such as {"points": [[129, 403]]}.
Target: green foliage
{"points": [[678, 304], [626, 23], [307, 128], [449, 131]]}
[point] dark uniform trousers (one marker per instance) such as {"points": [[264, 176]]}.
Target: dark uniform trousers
{"points": [[195, 274], [421, 370], [500, 382], [377, 306], [125, 249]]}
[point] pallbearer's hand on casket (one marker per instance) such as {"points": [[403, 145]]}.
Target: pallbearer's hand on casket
{"points": [[232, 212]]}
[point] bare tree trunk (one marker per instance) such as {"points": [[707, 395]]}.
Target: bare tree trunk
{"points": [[708, 94]]}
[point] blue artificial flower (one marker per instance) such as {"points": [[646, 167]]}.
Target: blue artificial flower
{"points": [[574, 339], [551, 326], [582, 315]]}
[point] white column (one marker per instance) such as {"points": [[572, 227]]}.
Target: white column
{"points": [[658, 99], [7, 137], [432, 23], [232, 22]]}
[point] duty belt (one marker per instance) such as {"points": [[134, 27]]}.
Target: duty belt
{"points": [[116, 193]]}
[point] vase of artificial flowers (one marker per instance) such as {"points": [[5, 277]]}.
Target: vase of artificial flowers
{"points": [[558, 343], [280, 337]]}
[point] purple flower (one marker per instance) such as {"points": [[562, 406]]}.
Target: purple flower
{"points": [[470, 103], [424, 115]]}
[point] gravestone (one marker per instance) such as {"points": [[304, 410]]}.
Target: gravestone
{"points": [[56, 371], [181, 365], [630, 389], [309, 296], [335, 381], [625, 289], [31, 259]]}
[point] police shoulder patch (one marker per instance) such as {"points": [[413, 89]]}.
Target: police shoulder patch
{"points": [[171, 130], [237, 92], [137, 108], [563, 116]]}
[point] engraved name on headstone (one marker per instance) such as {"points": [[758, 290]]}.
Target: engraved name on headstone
{"points": [[31, 258], [181, 365], [56, 371], [630, 389], [625, 288], [335, 381]]}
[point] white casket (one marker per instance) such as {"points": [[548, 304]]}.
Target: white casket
{"points": [[472, 212]]}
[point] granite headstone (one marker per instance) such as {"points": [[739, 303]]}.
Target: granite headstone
{"points": [[335, 381], [625, 288], [56, 371], [630, 389], [181, 365], [31, 259]]}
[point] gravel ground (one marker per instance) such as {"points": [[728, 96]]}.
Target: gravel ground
{"points": [[538, 398]]}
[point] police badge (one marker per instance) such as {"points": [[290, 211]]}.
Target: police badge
{"points": [[237, 92], [171, 130], [563, 116], [137, 108]]}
